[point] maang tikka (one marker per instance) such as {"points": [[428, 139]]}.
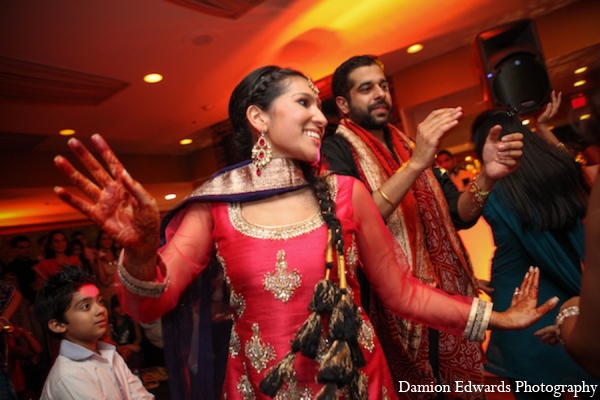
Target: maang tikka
{"points": [[261, 153]]}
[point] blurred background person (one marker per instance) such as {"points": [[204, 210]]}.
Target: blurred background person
{"points": [[106, 265], [88, 252], [21, 267], [77, 249], [127, 336], [536, 218], [578, 323], [56, 255], [459, 174], [10, 298]]}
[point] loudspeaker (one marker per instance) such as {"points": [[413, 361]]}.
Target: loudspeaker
{"points": [[512, 68]]}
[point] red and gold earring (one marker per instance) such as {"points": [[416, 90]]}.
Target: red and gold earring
{"points": [[261, 152]]}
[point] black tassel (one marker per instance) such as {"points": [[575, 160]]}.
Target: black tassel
{"points": [[327, 392], [325, 297], [358, 387], [357, 355], [344, 324], [272, 382], [307, 337], [336, 366]]}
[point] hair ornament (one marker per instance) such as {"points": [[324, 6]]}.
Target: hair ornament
{"points": [[312, 86]]}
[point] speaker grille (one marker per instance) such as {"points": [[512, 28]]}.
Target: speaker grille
{"points": [[520, 81]]}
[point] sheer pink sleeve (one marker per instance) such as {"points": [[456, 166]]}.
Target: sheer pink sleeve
{"points": [[187, 251], [393, 282]]}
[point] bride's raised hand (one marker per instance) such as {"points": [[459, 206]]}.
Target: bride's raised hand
{"points": [[523, 311], [116, 202]]}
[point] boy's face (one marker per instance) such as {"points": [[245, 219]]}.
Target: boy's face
{"points": [[86, 318]]}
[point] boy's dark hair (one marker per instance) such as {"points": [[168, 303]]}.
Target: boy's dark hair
{"points": [[55, 295]]}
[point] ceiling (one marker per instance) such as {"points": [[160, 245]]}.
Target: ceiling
{"points": [[79, 64]]}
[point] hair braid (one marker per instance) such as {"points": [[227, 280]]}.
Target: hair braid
{"points": [[321, 190]]}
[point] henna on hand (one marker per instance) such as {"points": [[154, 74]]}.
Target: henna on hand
{"points": [[117, 203]]}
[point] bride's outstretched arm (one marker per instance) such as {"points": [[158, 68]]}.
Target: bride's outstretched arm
{"points": [[402, 293]]}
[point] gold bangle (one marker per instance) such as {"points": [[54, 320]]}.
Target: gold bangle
{"points": [[479, 195], [386, 198]]}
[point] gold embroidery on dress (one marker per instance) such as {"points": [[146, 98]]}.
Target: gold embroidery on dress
{"points": [[258, 352], [234, 343], [366, 334], [221, 261], [384, 394], [322, 349], [291, 391], [352, 257], [255, 231], [332, 182], [281, 173], [237, 303], [281, 282], [271, 232], [244, 388]]}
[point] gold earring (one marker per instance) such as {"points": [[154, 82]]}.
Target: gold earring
{"points": [[261, 152]]}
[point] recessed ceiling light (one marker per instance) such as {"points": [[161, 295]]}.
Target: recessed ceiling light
{"points": [[580, 70], [415, 48], [153, 78], [170, 196], [579, 83], [67, 132], [185, 142]]}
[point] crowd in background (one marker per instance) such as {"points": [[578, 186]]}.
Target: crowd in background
{"points": [[28, 263]]}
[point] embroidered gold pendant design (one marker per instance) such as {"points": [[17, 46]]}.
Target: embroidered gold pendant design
{"points": [[291, 390], [234, 343], [366, 334], [244, 388], [258, 352], [237, 303], [352, 257], [281, 282]]}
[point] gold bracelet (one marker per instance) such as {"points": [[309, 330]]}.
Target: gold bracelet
{"points": [[479, 196], [386, 198]]}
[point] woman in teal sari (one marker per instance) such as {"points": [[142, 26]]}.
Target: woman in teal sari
{"points": [[536, 217]]}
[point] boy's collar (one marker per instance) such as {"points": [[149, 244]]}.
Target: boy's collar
{"points": [[76, 352]]}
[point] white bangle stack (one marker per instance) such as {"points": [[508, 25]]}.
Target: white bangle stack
{"points": [[479, 319], [560, 318], [139, 287]]}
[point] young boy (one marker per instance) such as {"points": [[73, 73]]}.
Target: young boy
{"points": [[70, 305]]}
